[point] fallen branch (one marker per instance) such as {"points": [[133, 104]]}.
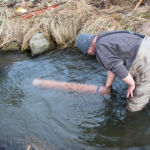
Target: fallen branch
{"points": [[138, 4]]}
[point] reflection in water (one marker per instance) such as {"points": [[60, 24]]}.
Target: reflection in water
{"points": [[62, 120]]}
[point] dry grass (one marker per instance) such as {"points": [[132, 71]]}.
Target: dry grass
{"points": [[64, 23], [138, 20], [11, 29], [106, 20], [60, 25]]}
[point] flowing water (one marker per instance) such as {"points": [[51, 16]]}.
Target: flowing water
{"points": [[50, 119]]}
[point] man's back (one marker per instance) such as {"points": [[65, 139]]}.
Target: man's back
{"points": [[115, 50]]}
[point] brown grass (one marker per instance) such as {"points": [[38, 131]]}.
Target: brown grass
{"points": [[137, 20], [64, 23]]}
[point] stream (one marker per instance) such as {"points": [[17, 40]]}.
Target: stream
{"points": [[50, 119]]}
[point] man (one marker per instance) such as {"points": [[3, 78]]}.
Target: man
{"points": [[125, 55]]}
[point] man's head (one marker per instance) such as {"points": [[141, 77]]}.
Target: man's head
{"points": [[84, 42]]}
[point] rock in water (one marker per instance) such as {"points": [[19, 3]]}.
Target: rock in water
{"points": [[40, 44]]}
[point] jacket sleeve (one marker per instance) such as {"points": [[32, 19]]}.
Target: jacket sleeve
{"points": [[111, 61]]}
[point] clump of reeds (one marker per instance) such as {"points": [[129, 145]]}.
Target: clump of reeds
{"points": [[105, 20], [64, 23], [10, 29], [60, 25], [138, 20]]}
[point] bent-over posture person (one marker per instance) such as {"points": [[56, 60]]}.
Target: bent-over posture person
{"points": [[125, 55]]}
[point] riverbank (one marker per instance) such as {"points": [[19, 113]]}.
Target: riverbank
{"points": [[59, 26]]}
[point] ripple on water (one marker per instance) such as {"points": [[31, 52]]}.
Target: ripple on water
{"points": [[63, 119]]}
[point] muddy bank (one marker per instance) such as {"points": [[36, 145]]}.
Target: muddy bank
{"points": [[61, 25]]}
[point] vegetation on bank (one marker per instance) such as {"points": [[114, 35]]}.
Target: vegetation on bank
{"points": [[63, 23]]}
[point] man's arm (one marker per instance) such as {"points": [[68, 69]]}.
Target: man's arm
{"points": [[130, 81], [110, 78], [107, 88]]}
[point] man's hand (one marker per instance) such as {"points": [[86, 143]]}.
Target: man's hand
{"points": [[130, 91], [105, 90], [130, 81]]}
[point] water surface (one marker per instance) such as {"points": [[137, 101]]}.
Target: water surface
{"points": [[63, 120]]}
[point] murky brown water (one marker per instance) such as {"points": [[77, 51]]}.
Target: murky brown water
{"points": [[62, 120]]}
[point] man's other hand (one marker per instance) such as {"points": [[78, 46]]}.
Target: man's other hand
{"points": [[130, 91], [105, 90]]}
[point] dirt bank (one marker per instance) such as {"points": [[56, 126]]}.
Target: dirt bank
{"points": [[63, 23]]}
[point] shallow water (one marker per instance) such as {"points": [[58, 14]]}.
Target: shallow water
{"points": [[62, 120]]}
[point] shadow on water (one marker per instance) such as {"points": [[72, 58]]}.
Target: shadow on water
{"points": [[120, 129], [61, 120]]}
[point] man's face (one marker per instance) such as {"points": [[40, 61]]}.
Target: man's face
{"points": [[91, 50]]}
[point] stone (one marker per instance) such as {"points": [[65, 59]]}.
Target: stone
{"points": [[39, 44]]}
